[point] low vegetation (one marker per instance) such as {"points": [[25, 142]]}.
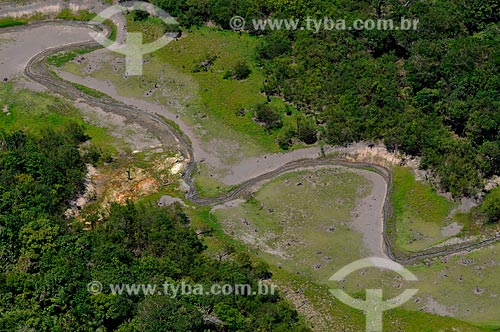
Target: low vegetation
{"points": [[240, 72], [152, 28], [419, 212], [58, 60], [276, 224], [81, 15], [34, 112], [91, 92], [9, 22], [491, 206]]}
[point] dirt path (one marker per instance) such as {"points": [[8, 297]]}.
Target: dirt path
{"points": [[246, 175]]}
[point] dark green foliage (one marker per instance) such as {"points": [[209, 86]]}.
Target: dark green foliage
{"points": [[134, 244], [491, 206], [306, 130], [38, 177], [48, 260], [478, 14], [140, 15], [284, 140], [240, 72], [277, 44], [270, 117], [165, 314], [91, 154], [433, 92]]}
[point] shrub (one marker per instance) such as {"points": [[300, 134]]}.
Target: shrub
{"points": [[269, 116], [240, 72], [491, 206]]}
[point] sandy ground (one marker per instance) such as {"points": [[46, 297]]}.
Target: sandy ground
{"points": [[369, 212], [17, 48], [109, 89], [9, 9]]}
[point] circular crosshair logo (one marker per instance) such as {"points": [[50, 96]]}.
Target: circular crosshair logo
{"points": [[133, 49], [374, 306]]}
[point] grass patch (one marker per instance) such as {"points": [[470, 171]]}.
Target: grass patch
{"points": [[466, 285], [206, 54], [439, 284], [69, 15], [91, 92], [223, 99], [316, 302], [10, 22], [152, 28], [58, 60], [65, 14], [206, 184], [213, 235], [113, 29], [35, 112], [419, 212]]}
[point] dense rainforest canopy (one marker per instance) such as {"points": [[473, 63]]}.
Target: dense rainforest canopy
{"points": [[48, 260]]}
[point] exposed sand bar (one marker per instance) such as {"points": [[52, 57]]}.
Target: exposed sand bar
{"points": [[369, 213], [11, 9], [17, 48]]}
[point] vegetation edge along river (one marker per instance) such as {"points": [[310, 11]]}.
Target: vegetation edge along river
{"points": [[37, 70]]}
